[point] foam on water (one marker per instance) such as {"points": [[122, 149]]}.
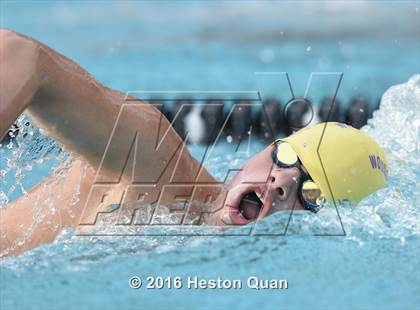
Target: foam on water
{"points": [[396, 127], [381, 231], [389, 213]]}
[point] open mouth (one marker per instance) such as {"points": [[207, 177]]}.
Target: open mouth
{"points": [[250, 206], [247, 206]]}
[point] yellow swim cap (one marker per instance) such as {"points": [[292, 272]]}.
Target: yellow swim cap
{"points": [[350, 164]]}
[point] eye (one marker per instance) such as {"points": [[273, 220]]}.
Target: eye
{"points": [[273, 179], [280, 191]]}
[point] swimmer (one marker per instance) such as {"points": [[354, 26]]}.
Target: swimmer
{"points": [[79, 113]]}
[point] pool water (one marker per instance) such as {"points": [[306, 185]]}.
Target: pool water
{"points": [[374, 265]]}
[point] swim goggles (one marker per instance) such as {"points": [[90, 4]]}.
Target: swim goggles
{"points": [[309, 193]]}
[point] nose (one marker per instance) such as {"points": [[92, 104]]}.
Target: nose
{"points": [[284, 182]]}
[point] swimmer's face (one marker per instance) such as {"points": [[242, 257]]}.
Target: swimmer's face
{"points": [[258, 190]]}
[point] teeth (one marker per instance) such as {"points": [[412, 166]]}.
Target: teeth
{"points": [[226, 219], [259, 196]]}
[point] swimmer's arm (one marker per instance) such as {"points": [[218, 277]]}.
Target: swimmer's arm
{"points": [[19, 76], [56, 202], [38, 216], [80, 113], [29, 221]]}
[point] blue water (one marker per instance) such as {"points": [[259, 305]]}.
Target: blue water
{"points": [[219, 46]]}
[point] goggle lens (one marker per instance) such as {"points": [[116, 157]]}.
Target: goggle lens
{"points": [[284, 156], [312, 196]]}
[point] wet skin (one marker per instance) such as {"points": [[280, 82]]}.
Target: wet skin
{"points": [[80, 113], [275, 187]]}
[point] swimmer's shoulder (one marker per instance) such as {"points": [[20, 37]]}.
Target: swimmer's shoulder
{"points": [[20, 52], [35, 57], [9, 36]]}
